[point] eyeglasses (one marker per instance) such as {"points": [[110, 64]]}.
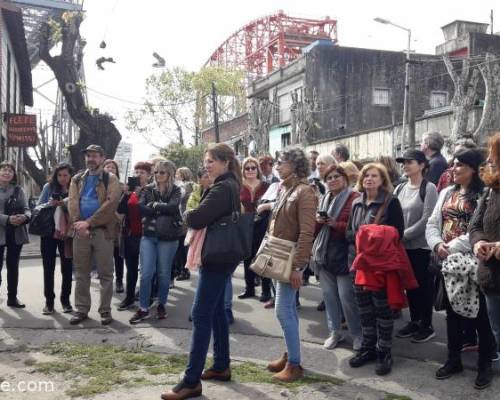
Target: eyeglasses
{"points": [[251, 168], [160, 172], [7, 169], [332, 177]]}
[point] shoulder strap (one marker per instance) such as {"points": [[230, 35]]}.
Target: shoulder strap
{"points": [[382, 208], [423, 189], [105, 180], [284, 198], [400, 187]]}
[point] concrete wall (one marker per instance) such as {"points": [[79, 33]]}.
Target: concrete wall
{"points": [[228, 131], [345, 78], [371, 144]]}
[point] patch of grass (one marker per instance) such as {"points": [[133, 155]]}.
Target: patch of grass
{"points": [[249, 372], [96, 369]]}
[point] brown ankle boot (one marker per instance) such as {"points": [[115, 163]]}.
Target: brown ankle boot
{"points": [[279, 364], [291, 373], [181, 392], [212, 374]]}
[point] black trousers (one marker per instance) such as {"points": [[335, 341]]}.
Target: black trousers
{"points": [[454, 327], [179, 259], [249, 276], [421, 299], [49, 247], [132, 245], [13, 255], [118, 264]]}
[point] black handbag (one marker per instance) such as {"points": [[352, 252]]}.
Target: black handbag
{"points": [[13, 206], [229, 239], [42, 221]]}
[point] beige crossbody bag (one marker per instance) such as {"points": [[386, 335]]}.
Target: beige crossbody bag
{"points": [[275, 256]]}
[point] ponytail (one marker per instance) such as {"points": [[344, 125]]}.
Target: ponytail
{"points": [[223, 152]]}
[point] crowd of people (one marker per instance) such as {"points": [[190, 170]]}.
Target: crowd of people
{"points": [[414, 231]]}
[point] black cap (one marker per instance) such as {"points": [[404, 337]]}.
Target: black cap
{"points": [[95, 148], [412, 154], [471, 157]]}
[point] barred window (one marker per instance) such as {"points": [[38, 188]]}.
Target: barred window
{"points": [[439, 99], [381, 97]]}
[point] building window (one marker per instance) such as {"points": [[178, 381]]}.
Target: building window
{"points": [[439, 99], [381, 97], [285, 103], [285, 140]]}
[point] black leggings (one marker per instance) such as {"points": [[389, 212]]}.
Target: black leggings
{"points": [[13, 255], [49, 247]]}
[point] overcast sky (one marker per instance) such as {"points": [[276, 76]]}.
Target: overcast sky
{"points": [[186, 32]]}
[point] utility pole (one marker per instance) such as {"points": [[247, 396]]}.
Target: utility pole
{"points": [[216, 115]]}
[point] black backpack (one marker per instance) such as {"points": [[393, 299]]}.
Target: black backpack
{"points": [[421, 191]]}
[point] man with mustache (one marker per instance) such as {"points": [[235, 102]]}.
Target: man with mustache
{"points": [[93, 198]]}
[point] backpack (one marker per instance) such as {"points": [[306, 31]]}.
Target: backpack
{"points": [[421, 191], [105, 179]]}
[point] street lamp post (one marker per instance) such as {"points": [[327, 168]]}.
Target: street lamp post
{"points": [[407, 83]]}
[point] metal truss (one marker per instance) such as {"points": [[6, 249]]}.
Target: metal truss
{"points": [[271, 42]]}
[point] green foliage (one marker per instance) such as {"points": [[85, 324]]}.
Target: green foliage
{"points": [[228, 83], [183, 156]]}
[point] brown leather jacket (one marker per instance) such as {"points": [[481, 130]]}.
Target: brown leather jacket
{"points": [[296, 220], [105, 216]]}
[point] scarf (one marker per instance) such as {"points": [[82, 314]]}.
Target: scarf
{"points": [[320, 246]]}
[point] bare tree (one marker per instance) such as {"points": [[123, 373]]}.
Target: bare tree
{"points": [[95, 127], [259, 116], [465, 82], [490, 118]]}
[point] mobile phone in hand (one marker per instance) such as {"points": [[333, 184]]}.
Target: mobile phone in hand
{"points": [[133, 182]]}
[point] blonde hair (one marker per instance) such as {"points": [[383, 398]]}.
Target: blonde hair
{"points": [[249, 160], [351, 170], [382, 170], [169, 167]]}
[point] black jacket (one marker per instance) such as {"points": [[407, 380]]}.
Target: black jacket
{"points": [[361, 214], [485, 226], [153, 204], [217, 201], [437, 165]]}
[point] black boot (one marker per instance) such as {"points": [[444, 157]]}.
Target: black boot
{"points": [[362, 357], [384, 363], [450, 368], [484, 377]]}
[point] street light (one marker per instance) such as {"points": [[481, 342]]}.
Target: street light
{"points": [[407, 68]]}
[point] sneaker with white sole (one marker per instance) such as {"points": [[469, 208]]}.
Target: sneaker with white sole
{"points": [[357, 343], [333, 340]]}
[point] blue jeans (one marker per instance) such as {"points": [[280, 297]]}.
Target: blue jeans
{"points": [[338, 292], [286, 312], [157, 257], [208, 316], [228, 294], [493, 305]]}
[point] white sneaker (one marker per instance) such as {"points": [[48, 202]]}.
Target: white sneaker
{"points": [[357, 343], [333, 340]]}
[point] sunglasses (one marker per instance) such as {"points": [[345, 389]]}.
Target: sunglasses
{"points": [[160, 172], [332, 177], [251, 168]]}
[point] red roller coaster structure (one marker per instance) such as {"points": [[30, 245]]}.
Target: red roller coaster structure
{"points": [[271, 42]]}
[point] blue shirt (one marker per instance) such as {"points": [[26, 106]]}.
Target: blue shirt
{"points": [[89, 202]]}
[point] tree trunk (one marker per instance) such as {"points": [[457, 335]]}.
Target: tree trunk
{"points": [[95, 128]]}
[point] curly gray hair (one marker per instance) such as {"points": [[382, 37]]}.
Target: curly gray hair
{"points": [[299, 161]]}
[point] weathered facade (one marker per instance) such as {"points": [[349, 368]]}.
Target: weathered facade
{"points": [[334, 92], [16, 89], [234, 132]]}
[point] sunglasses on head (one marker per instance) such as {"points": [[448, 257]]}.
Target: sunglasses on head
{"points": [[251, 168], [160, 172]]}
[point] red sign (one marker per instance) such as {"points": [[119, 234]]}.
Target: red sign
{"points": [[21, 130]]}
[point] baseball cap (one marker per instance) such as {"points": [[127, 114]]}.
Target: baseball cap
{"points": [[412, 154], [94, 147]]}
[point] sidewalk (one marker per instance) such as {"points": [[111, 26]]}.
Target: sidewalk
{"points": [[255, 336], [32, 249]]}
